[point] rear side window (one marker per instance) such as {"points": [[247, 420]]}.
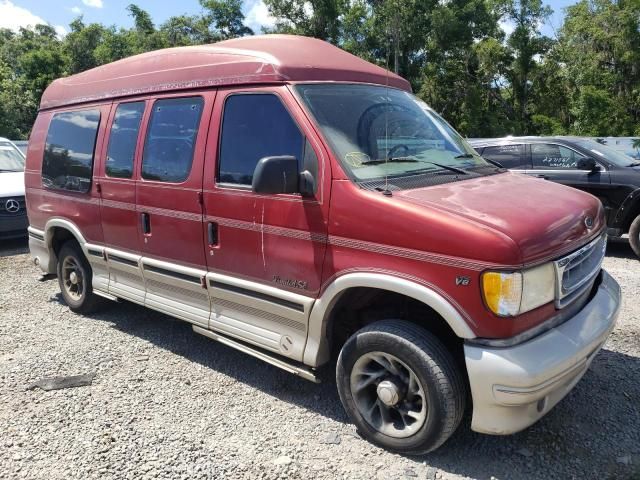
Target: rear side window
{"points": [[509, 156], [171, 139], [68, 154], [546, 156], [255, 126], [123, 139]]}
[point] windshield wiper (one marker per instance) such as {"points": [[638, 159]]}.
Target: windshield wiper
{"points": [[450, 168], [413, 160], [469, 155], [493, 162], [390, 159]]}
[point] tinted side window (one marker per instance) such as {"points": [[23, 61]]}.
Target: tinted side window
{"points": [[509, 156], [255, 126], [123, 139], [68, 154], [171, 139], [553, 157]]}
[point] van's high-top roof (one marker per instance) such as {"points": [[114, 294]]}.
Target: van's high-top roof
{"points": [[247, 60]]}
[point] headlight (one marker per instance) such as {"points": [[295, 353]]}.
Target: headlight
{"points": [[513, 293]]}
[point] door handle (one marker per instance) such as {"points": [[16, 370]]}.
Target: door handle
{"points": [[212, 233], [544, 177], [146, 223]]}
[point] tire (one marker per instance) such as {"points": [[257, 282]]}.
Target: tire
{"points": [[78, 296], [432, 366], [634, 236]]}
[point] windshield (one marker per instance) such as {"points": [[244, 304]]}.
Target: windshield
{"points": [[606, 153], [11, 160], [378, 131]]}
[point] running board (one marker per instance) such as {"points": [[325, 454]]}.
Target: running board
{"points": [[305, 373], [106, 295]]}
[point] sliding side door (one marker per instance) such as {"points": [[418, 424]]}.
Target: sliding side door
{"points": [[169, 206], [117, 180]]}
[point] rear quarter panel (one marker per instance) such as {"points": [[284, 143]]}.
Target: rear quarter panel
{"points": [[43, 203]]}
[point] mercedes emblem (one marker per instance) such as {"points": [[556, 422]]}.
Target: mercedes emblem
{"points": [[12, 206]]}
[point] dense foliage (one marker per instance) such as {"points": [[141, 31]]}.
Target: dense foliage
{"points": [[456, 54]]}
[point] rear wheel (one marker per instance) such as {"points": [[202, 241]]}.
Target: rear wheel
{"points": [[634, 236], [401, 387], [74, 278]]}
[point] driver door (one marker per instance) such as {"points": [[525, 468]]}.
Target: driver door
{"points": [[559, 163], [264, 252]]}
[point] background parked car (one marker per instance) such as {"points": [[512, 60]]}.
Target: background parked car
{"points": [[628, 145], [581, 163], [13, 211], [22, 145]]}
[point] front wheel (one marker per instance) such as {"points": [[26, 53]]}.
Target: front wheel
{"points": [[634, 236], [401, 387], [74, 278]]}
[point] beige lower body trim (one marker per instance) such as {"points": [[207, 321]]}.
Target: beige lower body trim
{"points": [[317, 350], [265, 316], [41, 254], [514, 387], [300, 371]]}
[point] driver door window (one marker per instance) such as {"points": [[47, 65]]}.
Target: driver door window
{"points": [[255, 126]]}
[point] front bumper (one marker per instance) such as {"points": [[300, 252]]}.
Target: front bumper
{"points": [[14, 226], [514, 387]]}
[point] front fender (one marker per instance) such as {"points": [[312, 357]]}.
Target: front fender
{"points": [[628, 210], [317, 348]]}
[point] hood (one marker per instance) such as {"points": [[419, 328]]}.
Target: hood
{"points": [[11, 184], [543, 219]]}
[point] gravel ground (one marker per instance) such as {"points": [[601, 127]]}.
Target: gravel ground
{"points": [[167, 403]]}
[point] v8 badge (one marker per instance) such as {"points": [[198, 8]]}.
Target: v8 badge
{"points": [[462, 280]]}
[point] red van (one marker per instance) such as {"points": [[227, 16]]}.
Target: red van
{"points": [[300, 204]]}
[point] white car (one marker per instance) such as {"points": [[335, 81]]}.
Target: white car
{"points": [[13, 211]]}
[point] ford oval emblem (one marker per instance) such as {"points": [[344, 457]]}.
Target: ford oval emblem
{"points": [[588, 222]]}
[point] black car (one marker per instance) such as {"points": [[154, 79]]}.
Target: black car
{"points": [[582, 163]]}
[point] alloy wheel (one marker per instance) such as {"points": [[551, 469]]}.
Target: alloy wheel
{"points": [[388, 394], [73, 278]]}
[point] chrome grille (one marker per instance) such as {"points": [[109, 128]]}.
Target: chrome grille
{"points": [[575, 272]]}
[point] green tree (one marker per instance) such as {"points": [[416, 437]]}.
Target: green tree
{"points": [[526, 45], [81, 43], [464, 66], [600, 49], [314, 18], [186, 30], [226, 17], [18, 104], [141, 19]]}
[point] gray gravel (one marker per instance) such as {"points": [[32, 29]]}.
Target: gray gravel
{"points": [[167, 403]]}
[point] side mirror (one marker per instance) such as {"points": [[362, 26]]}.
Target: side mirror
{"points": [[276, 175], [588, 163]]}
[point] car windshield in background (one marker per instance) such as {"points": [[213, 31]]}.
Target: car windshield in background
{"points": [[607, 153], [22, 146], [11, 160], [379, 131]]}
